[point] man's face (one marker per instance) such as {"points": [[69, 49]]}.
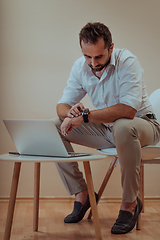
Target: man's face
{"points": [[96, 55]]}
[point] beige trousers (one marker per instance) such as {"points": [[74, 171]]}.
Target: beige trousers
{"points": [[127, 135]]}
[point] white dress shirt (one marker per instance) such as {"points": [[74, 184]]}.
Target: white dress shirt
{"points": [[121, 82]]}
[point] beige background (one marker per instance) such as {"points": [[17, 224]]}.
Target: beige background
{"points": [[38, 46]]}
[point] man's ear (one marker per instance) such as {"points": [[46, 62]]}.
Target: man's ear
{"points": [[111, 48]]}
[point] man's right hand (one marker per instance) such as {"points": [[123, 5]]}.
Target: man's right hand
{"points": [[76, 110], [70, 123]]}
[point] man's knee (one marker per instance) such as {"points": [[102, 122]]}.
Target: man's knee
{"points": [[123, 130], [57, 122]]}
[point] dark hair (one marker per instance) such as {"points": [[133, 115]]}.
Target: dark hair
{"points": [[92, 32]]}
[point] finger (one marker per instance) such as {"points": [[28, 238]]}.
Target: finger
{"points": [[74, 112], [81, 107], [70, 115], [68, 130], [63, 129]]}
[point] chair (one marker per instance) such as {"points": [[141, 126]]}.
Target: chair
{"points": [[150, 155]]}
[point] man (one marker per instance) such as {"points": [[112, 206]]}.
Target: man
{"points": [[113, 79]]}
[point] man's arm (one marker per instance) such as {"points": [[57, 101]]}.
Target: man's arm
{"points": [[62, 110], [111, 114], [106, 115]]}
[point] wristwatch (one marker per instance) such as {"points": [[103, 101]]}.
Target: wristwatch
{"points": [[85, 115]]}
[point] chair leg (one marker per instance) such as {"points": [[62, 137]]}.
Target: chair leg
{"points": [[12, 200], [142, 185], [36, 196], [105, 181], [141, 195]]}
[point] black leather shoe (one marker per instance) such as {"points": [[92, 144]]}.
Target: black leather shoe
{"points": [[79, 211], [126, 220]]}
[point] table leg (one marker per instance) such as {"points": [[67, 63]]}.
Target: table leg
{"points": [[12, 200], [36, 196], [105, 181], [92, 199]]}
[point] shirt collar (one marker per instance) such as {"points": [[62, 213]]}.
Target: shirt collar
{"points": [[112, 62]]}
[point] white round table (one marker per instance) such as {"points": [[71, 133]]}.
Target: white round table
{"points": [[18, 159]]}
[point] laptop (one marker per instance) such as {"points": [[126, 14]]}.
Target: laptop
{"points": [[37, 138]]}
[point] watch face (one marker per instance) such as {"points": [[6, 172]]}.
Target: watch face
{"points": [[86, 111]]}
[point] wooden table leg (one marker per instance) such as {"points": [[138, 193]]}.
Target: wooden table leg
{"points": [[12, 200], [92, 199], [105, 181], [36, 196]]}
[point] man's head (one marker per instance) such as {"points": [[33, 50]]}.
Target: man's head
{"points": [[92, 32], [96, 43]]}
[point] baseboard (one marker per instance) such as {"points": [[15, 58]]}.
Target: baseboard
{"points": [[71, 199]]}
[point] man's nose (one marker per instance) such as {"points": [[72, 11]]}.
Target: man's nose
{"points": [[94, 62]]}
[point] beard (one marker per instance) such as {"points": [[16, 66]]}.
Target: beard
{"points": [[99, 67]]}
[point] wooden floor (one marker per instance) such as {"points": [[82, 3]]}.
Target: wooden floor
{"points": [[51, 225]]}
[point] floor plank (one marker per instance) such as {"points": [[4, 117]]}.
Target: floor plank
{"points": [[51, 225]]}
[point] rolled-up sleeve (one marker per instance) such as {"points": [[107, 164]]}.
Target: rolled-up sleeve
{"points": [[74, 91], [130, 82]]}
